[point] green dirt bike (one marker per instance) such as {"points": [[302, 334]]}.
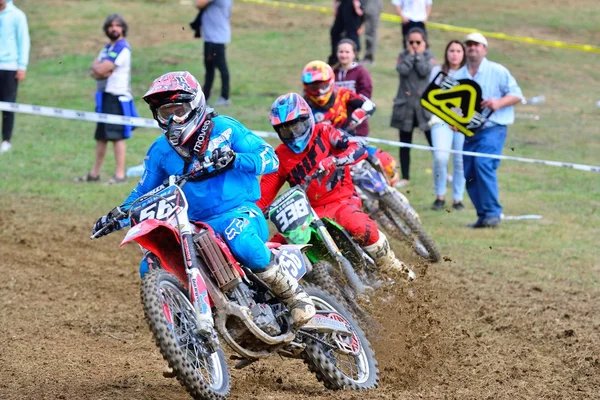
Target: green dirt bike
{"points": [[331, 244]]}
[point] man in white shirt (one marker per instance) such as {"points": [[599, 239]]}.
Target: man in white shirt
{"points": [[112, 71], [414, 13]]}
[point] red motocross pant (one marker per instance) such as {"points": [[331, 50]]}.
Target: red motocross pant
{"points": [[348, 214]]}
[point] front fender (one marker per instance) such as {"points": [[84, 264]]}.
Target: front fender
{"points": [[163, 241]]}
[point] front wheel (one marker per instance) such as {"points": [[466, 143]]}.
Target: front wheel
{"points": [[322, 278], [400, 217], [328, 355], [172, 320]]}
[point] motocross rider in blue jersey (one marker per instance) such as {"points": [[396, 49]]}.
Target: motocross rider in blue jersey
{"points": [[226, 200]]}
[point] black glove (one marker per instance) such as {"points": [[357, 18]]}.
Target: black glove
{"points": [[108, 223], [222, 159]]}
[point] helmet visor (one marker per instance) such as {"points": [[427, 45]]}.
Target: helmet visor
{"points": [[294, 129], [179, 112], [317, 88]]}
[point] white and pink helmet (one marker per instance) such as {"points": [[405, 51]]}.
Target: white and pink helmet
{"points": [[179, 106]]}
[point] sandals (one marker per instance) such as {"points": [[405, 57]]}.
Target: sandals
{"points": [[115, 181], [87, 178]]}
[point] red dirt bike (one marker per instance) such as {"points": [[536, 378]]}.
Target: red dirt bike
{"points": [[199, 292]]}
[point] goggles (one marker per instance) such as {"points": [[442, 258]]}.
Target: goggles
{"points": [[178, 111], [294, 129], [317, 88]]}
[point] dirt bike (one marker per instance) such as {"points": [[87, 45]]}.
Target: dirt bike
{"points": [[390, 208], [199, 290], [355, 277]]}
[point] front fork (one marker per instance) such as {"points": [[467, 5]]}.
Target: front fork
{"points": [[335, 251], [205, 324]]}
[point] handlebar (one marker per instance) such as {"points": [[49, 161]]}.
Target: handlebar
{"points": [[117, 214]]}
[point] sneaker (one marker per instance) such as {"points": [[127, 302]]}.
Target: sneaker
{"points": [[438, 204], [5, 146], [458, 206], [223, 102], [449, 178], [488, 222], [366, 62], [401, 183]]}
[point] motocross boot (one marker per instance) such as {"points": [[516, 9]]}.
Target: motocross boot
{"points": [[386, 260], [286, 287]]}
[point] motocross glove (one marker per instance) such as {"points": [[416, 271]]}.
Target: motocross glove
{"points": [[108, 223], [357, 117], [328, 164], [223, 158]]}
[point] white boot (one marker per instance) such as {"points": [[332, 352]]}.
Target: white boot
{"points": [[385, 259], [286, 287]]}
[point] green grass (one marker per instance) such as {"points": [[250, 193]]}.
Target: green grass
{"points": [[270, 46]]}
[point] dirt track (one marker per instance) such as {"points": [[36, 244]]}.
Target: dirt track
{"points": [[71, 327]]}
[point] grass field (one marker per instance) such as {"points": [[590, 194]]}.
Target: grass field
{"points": [[558, 254], [270, 47]]}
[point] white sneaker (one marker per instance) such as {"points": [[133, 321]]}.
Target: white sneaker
{"points": [[223, 102], [5, 146]]}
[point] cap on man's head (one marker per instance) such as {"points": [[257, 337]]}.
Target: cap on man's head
{"points": [[477, 38]]}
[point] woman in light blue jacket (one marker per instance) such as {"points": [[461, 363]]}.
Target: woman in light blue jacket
{"points": [[14, 57], [445, 138]]}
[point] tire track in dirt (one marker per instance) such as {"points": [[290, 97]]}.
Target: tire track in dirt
{"points": [[71, 327]]}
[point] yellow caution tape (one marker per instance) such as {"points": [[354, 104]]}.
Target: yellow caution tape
{"points": [[444, 27]]}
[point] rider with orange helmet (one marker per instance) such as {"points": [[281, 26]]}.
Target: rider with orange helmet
{"points": [[338, 106], [342, 108]]}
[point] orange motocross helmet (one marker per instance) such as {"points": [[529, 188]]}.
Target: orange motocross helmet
{"points": [[319, 81]]}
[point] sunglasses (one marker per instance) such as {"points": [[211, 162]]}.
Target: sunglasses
{"points": [[414, 41]]}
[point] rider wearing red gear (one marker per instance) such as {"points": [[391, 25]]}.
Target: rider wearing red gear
{"points": [[338, 106], [306, 147], [343, 108]]}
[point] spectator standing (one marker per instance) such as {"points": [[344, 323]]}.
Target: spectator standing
{"points": [[347, 21], [414, 13], [351, 75], [442, 137], [112, 71], [500, 92], [14, 57], [414, 67], [216, 30], [372, 11]]}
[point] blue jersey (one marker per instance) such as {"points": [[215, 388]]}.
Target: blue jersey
{"points": [[223, 192]]}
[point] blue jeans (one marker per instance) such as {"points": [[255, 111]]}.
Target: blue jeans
{"points": [[444, 138], [245, 231], [480, 172]]}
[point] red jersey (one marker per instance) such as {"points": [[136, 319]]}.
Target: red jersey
{"points": [[293, 168], [341, 105]]}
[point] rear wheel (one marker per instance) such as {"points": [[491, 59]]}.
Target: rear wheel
{"points": [[172, 321], [339, 361], [407, 227]]}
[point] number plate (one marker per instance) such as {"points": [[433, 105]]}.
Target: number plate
{"points": [[291, 258], [291, 212], [159, 206]]}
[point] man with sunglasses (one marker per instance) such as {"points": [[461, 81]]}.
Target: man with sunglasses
{"points": [[307, 147], [500, 92], [193, 134]]}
